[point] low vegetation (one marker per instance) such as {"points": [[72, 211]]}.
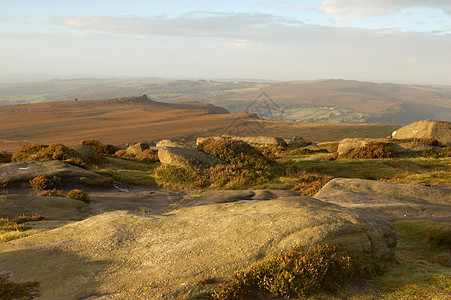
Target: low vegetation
{"points": [[11, 229], [38, 152], [147, 155], [245, 166], [5, 157], [52, 193], [78, 195], [429, 141], [300, 272], [99, 148], [42, 183], [370, 151]]}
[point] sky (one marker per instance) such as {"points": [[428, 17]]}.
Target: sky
{"points": [[401, 41]]}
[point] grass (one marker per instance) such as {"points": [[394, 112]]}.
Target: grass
{"points": [[420, 272], [12, 229], [430, 171], [127, 171]]}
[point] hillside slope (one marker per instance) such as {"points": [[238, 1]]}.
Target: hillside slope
{"points": [[127, 120], [331, 101]]}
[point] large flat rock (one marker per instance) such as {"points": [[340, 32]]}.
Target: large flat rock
{"points": [[24, 171], [123, 255], [389, 200], [438, 130], [55, 208]]}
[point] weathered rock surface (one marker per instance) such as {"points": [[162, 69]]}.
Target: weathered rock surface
{"points": [[398, 147], [388, 200], [137, 148], [128, 256], [21, 172], [172, 144], [297, 141], [82, 150], [225, 196], [258, 141], [184, 157], [438, 130], [55, 208]]}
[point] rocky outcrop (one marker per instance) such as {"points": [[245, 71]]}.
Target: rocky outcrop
{"points": [[22, 172], [257, 141], [225, 196], [438, 130], [184, 157], [169, 143], [298, 142], [137, 149], [388, 200], [398, 147], [131, 256], [54, 208]]}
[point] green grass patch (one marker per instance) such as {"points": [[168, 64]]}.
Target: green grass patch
{"points": [[409, 170], [127, 171]]}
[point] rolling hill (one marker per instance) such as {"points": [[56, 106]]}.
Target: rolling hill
{"points": [[330, 101], [127, 120]]}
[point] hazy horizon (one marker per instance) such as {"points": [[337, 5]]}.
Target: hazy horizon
{"points": [[377, 40]]}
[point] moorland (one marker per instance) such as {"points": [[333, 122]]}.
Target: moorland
{"points": [[90, 209], [322, 101]]}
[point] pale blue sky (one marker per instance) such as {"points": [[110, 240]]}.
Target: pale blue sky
{"points": [[377, 40]]}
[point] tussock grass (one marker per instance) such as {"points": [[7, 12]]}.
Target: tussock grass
{"points": [[12, 229]]}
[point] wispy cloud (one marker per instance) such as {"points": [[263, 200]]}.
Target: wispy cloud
{"points": [[190, 24], [349, 9]]}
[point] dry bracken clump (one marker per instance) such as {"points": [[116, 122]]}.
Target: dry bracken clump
{"points": [[78, 195], [370, 151], [42, 183]]}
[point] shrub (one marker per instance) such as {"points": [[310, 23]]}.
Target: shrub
{"points": [[248, 162], [429, 141], [121, 153], [307, 183], [439, 237], [147, 156], [23, 218], [39, 152], [52, 193], [99, 148], [446, 152], [369, 151], [45, 183], [299, 272], [5, 157], [78, 195]]}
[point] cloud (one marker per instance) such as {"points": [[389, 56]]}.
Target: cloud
{"points": [[349, 9], [190, 24]]}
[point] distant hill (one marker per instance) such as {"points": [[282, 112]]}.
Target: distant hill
{"points": [[323, 101], [139, 119], [339, 101]]}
